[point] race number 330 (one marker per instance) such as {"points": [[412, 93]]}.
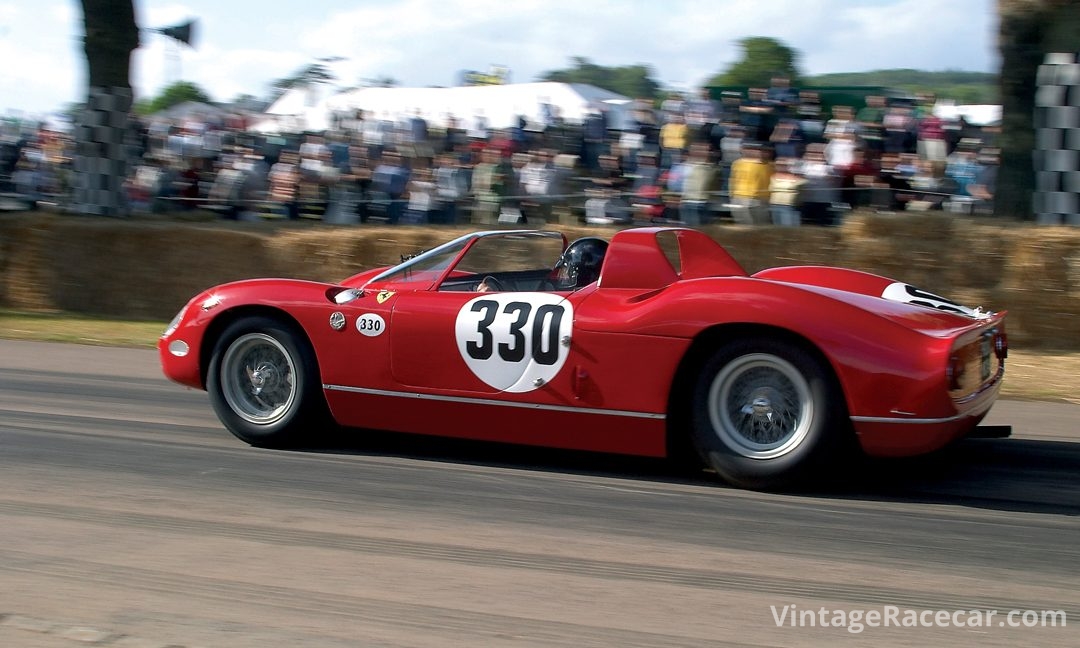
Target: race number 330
{"points": [[515, 342]]}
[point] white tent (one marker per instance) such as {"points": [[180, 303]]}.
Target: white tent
{"points": [[297, 110], [500, 105], [978, 114]]}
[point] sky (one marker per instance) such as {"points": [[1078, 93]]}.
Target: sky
{"points": [[243, 45]]}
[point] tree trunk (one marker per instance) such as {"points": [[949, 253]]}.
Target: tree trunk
{"points": [[104, 136], [1020, 42], [1029, 29]]}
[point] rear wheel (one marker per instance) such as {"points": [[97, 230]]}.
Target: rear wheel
{"points": [[765, 413], [264, 383]]}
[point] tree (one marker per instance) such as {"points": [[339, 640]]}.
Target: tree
{"points": [[311, 74], [632, 80], [177, 93], [103, 132], [381, 81], [763, 58]]}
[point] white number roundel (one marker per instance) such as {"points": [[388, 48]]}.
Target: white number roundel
{"points": [[370, 324], [515, 342]]}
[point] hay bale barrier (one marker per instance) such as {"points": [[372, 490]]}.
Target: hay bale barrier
{"points": [[148, 269]]}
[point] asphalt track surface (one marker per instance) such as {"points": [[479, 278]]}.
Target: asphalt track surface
{"points": [[130, 517]]}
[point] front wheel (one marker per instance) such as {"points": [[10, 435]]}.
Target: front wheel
{"points": [[264, 383], [765, 413]]}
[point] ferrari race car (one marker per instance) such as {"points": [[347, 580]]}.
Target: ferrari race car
{"points": [[656, 341]]}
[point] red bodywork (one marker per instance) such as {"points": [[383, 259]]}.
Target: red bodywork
{"points": [[914, 378]]}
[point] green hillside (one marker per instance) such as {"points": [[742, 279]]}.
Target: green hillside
{"points": [[962, 87]]}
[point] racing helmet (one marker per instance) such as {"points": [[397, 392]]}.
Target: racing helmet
{"points": [[580, 263]]}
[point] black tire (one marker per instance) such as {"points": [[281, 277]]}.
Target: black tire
{"points": [[766, 413], [264, 384]]}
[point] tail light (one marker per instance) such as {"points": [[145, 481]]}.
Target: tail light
{"points": [[1001, 344], [954, 372]]}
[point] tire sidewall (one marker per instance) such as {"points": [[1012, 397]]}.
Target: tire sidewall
{"points": [[286, 430], [798, 461]]}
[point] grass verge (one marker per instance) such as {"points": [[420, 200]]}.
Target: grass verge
{"points": [[1031, 374]]}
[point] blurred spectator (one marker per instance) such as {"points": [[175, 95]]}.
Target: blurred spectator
{"points": [[454, 138], [781, 94], [870, 119], [758, 115], [731, 147], [962, 167], [356, 177], [374, 134], [313, 152], [27, 176], [858, 178], [511, 212], [787, 138], [840, 147], [819, 192], [490, 180], [931, 133], [478, 131], [841, 124], [899, 126], [451, 188], [224, 194], [698, 185], [728, 111], [421, 203], [982, 189], [389, 183], [606, 201], [672, 105], [749, 186], [285, 185], [145, 186], [785, 193], [593, 134], [646, 199], [538, 179], [930, 188], [317, 175], [674, 137], [701, 115], [809, 115]]}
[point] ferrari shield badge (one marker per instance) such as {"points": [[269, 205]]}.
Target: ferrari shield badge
{"points": [[384, 295], [515, 342]]}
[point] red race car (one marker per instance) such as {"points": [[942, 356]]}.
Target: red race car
{"points": [[655, 341]]}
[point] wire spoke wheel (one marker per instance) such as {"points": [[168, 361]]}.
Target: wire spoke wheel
{"points": [[258, 379], [760, 406], [767, 413]]}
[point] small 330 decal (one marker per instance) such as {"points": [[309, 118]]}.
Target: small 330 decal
{"points": [[370, 324]]}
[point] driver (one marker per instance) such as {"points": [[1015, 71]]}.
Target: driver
{"points": [[580, 263]]}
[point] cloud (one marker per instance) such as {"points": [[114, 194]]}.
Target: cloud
{"points": [[243, 45]]}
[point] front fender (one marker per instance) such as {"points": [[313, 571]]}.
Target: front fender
{"points": [[185, 349]]}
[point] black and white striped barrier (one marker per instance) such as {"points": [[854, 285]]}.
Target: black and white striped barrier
{"points": [[105, 141], [1057, 140]]}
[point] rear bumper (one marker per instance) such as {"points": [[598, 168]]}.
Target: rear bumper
{"points": [[905, 436]]}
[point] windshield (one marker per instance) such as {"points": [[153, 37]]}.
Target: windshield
{"points": [[425, 267]]}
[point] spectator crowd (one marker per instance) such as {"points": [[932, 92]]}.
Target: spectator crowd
{"points": [[775, 155]]}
